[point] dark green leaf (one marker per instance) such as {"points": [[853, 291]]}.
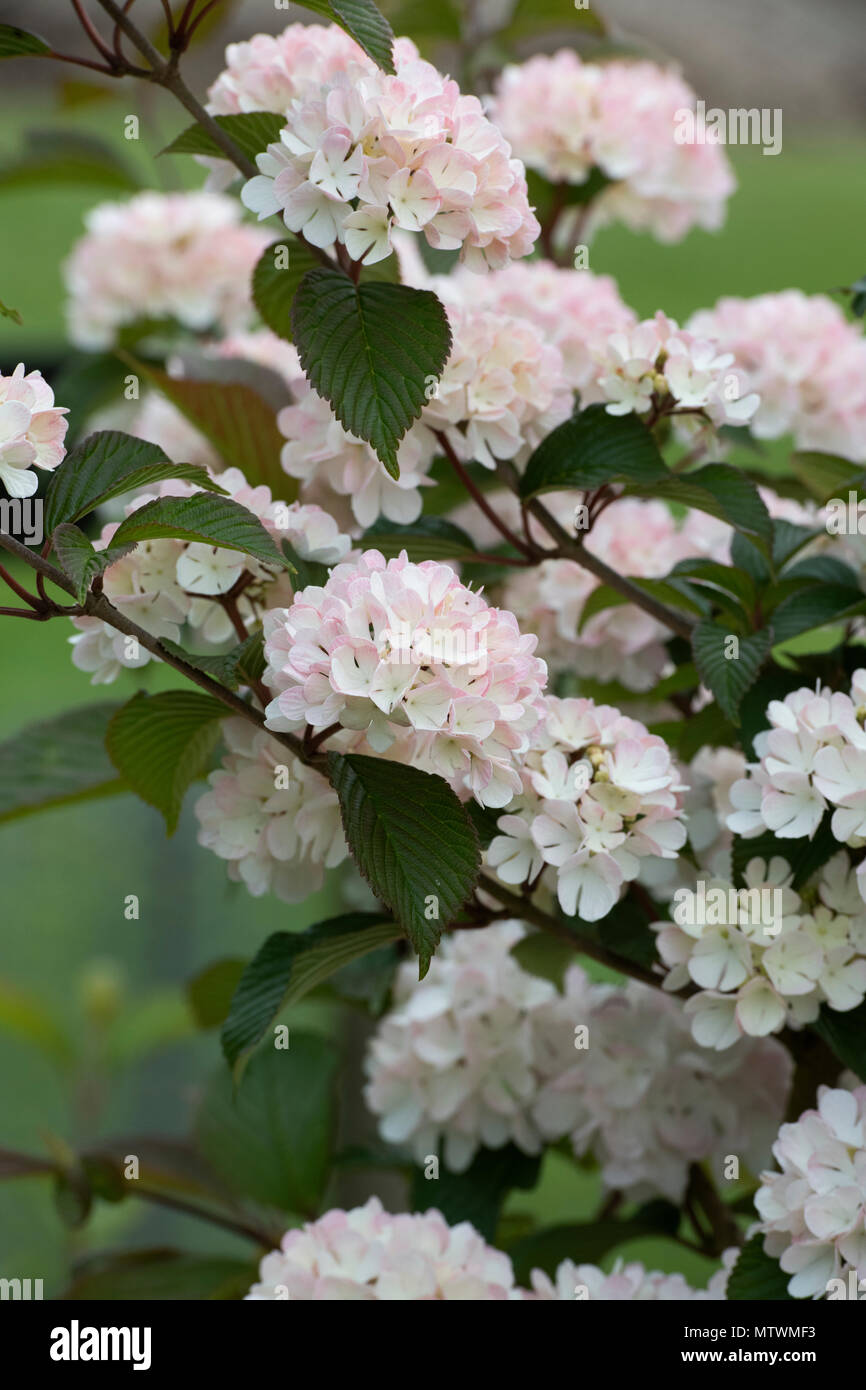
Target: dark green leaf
{"points": [[588, 1243], [273, 1139], [58, 761], [173, 1275], [788, 539], [368, 980], [412, 841], [815, 607], [747, 557], [17, 43], [590, 449], [252, 132], [428, 538], [105, 465], [545, 956], [721, 491], [217, 521], [731, 581], [78, 559], [372, 350], [729, 676], [275, 283], [210, 992], [825, 475], [162, 743], [366, 24], [478, 1194], [846, 1034], [287, 967], [756, 1277]]}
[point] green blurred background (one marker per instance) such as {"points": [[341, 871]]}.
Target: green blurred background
{"points": [[797, 220]]}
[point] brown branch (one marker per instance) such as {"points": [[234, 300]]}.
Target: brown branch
{"points": [[481, 501]]}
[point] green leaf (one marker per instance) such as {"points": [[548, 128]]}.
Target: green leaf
{"points": [[729, 677], [161, 1274], [367, 26], [707, 728], [545, 956], [588, 1243], [273, 1139], [252, 132], [210, 992], [234, 404], [428, 538], [368, 980], [757, 1277], [773, 684], [825, 475], [676, 593], [725, 577], [274, 285], [67, 157], [412, 841], [815, 607], [17, 43], [13, 314], [747, 557], [162, 743], [217, 521], [107, 464], [590, 449], [57, 762], [287, 967], [478, 1194], [788, 539], [846, 1034], [78, 559], [721, 491], [223, 666], [372, 350]]}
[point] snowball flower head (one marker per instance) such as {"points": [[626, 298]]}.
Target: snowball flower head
{"points": [[389, 645], [368, 1254], [761, 956], [184, 256], [813, 1211], [599, 793], [805, 360], [276, 823], [454, 1060], [566, 118], [32, 430], [626, 1283], [369, 152]]}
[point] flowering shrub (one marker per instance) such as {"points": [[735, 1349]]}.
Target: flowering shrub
{"points": [[452, 590]]}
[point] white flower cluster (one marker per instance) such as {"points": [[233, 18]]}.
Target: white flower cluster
{"points": [[813, 1212], [626, 1283], [599, 794], [481, 1053], [764, 956]]}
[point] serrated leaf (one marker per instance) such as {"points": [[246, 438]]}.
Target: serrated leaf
{"points": [[287, 967], [217, 521], [478, 1194], [725, 577], [729, 677], [721, 491], [107, 464], [234, 404], [757, 1277], [372, 350], [78, 559], [18, 43], [788, 539], [252, 132], [593, 448], [57, 762], [412, 841], [815, 607], [274, 286], [428, 538], [364, 22], [162, 743], [272, 1140]]}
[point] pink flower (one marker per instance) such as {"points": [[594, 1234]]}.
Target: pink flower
{"points": [[625, 1283], [32, 430], [390, 646], [185, 256], [368, 1254]]}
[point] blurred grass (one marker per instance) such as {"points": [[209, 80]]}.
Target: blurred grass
{"points": [[796, 221]]}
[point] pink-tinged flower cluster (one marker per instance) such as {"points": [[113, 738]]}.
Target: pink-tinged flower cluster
{"points": [[599, 794], [566, 118], [575, 310], [32, 430], [813, 1212], [503, 388], [764, 956], [387, 646], [660, 366], [168, 583], [626, 1084], [368, 1254], [456, 1059], [275, 820], [813, 756], [806, 362], [619, 643], [368, 152], [626, 1283], [183, 256]]}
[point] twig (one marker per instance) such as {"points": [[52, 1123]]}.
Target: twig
{"points": [[481, 501]]}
